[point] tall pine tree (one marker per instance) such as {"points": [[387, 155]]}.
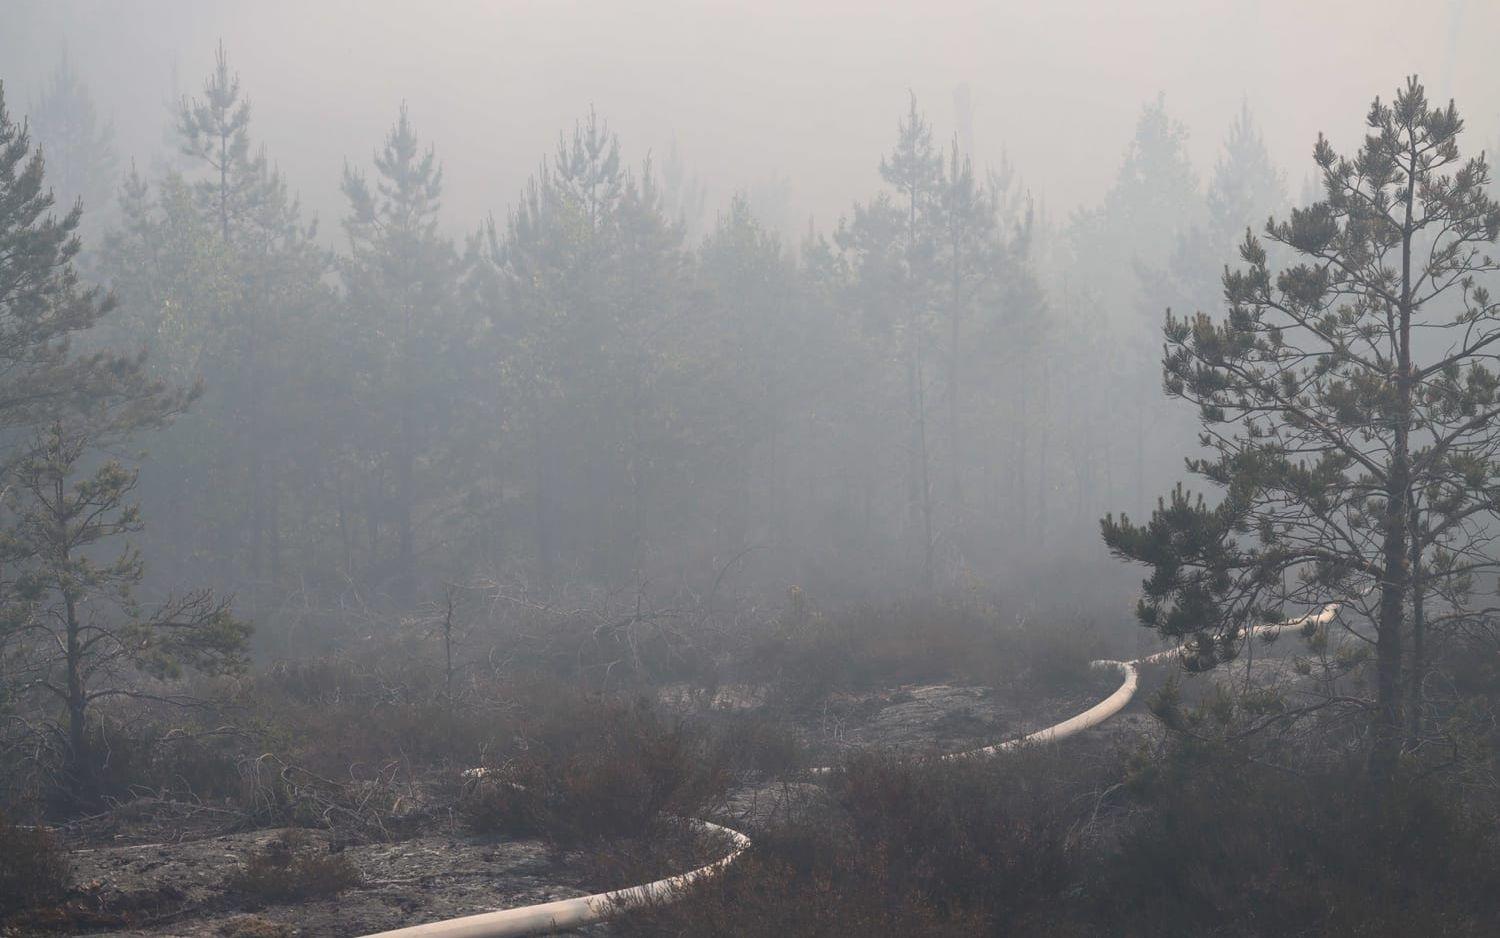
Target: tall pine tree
{"points": [[78, 144], [1347, 403], [402, 279], [71, 632]]}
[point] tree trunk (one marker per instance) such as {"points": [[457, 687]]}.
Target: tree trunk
{"points": [[1398, 519], [374, 498], [1042, 482], [346, 536], [79, 765], [542, 522], [1018, 485], [955, 490], [273, 509], [1416, 669], [914, 439], [255, 466], [404, 585], [1387, 743], [926, 482]]}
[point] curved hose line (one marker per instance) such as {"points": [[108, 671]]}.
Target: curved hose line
{"points": [[572, 913], [1088, 719], [588, 910]]}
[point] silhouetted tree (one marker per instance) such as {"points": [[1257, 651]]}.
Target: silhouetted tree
{"points": [[894, 242], [1347, 405], [402, 278], [78, 145], [59, 410], [71, 627]]}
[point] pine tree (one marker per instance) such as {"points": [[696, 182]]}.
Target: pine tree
{"points": [[59, 410], [1245, 190], [751, 283], [966, 216], [244, 308], [71, 622], [894, 242], [43, 306], [587, 173], [653, 322], [1246, 187], [79, 147], [1124, 247], [1011, 370], [1347, 405], [683, 195], [215, 130], [555, 262], [402, 280], [1155, 196]]}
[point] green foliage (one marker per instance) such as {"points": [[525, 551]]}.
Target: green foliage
{"points": [[71, 630], [215, 129], [1346, 403], [43, 306], [222, 281], [72, 625], [407, 338]]}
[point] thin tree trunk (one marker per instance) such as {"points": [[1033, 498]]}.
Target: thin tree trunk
{"points": [[1043, 483], [273, 496], [636, 473], [927, 543], [542, 526], [255, 464], [374, 496], [1019, 514], [405, 462], [1393, 588], [1388, 724], [346, 536], [404, 495], [1417, 669], [955, 491], [80, 765]]}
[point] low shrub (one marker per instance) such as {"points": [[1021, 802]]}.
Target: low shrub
{"points": [[1244, 838], [598, 768], [1194, 835], [292, 868], [904, 846], [810, 655], [754, 742], [34, 874]]}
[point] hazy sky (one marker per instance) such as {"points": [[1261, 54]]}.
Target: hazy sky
{"points": [[810, 90]]}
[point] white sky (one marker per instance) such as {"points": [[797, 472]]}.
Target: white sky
{"points": [[808, 89]]}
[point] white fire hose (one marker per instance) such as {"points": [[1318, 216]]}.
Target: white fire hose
{"points": [[573, 913], [561, 914]]}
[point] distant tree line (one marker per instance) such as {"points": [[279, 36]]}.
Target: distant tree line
{"points": [[943, 388]]}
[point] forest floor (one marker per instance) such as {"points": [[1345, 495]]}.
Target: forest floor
{"points": [[179, 889]]}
